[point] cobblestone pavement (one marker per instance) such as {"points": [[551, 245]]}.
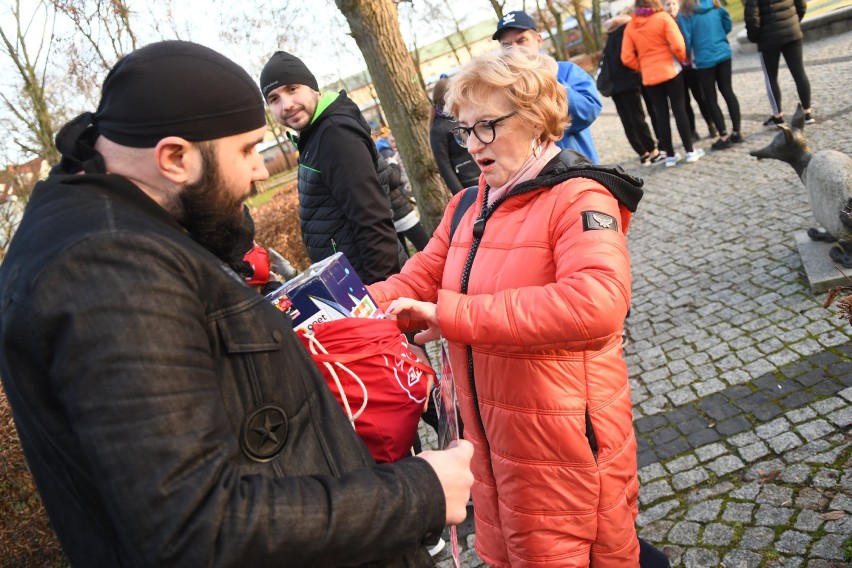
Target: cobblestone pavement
{"points": [[741, 380]]}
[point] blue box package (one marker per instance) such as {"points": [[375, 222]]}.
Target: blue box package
{"points": [[328, 290]]}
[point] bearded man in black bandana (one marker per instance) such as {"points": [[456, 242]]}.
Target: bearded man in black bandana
{"points": [[169, 415]]}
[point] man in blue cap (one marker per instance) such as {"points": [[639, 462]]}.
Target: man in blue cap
{"points": [[517, 29]]}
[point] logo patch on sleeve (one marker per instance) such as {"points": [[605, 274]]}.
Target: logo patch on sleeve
{"points": [[594, 221]]}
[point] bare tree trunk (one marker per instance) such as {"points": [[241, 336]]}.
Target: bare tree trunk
{"points": [[557, 38], [375, 27], [585, 31], [597, 24]]}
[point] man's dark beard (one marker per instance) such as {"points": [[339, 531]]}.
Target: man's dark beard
{"points": [[211, 215]]}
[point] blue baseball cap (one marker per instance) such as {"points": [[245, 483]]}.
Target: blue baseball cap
{"points": [[518, 20]]}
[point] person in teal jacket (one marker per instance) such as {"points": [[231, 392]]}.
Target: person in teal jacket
{"points": [[518, 29], [705, 25]]}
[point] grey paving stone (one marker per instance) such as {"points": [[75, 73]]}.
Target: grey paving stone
{"points": [[810, 498], [700, 558], [841, 417], [777, 495], [682, 395], [689, 478], [846, 393], [656, 531], [744, 439], [703, 437], [826, 478], [747, 492], [684, 532], [754, 451], [770, 515], [717, 534], [841, 502], [814, 429], [800, 415], [772, 429], [738, 512], [827, 405], [784, 442], [657, 512], [742, 559], [757, 538], [682, 464], [709, 451], [842, 525], [650, 492], [709, 492], [793, 542], [808, 521], [829, 547], [725, 465], [704, 512], [733, 425], [650, 472], [796, 474], [736, 376]]}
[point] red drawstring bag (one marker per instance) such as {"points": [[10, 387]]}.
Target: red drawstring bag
{"points": [[375, 377]]}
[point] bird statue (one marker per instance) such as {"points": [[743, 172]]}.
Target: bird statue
{"points": [[827, 175]]}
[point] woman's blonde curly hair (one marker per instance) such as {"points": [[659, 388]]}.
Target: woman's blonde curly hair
{"points": [[527, 80]]}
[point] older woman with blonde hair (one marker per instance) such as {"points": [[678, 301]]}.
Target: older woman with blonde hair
{"points": [[530, 290]]}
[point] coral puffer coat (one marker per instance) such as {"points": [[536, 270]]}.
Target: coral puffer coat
{"points": [[555, 467], [654, 46]]}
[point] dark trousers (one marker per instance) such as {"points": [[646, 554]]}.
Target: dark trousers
{"points": [[416, 235], [650, 108], [670, 92], [628, 104], [693, 85], [720, 76], [792, 53]]}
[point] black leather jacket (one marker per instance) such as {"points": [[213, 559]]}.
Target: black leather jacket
{"points": [[169, 415]]}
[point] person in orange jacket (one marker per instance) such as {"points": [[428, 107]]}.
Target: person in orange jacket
{"points": [[654, 46], [530, 291]]}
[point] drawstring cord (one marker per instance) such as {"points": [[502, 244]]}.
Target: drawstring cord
{"points": [[315, 347]]}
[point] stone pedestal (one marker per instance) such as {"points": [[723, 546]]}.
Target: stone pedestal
{"points": [[821, 272]]}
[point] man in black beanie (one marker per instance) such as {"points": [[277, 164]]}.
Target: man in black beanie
{"points": [[168, 413], [343, 205]]}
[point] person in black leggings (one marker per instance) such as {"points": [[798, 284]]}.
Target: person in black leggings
{"points": [[705, 25], [774, 26]]}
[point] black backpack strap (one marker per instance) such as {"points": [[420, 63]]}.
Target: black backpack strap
{"points": [[466, 200]]}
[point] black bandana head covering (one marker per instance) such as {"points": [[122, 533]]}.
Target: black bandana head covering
{"points": [[285, 69], [177, 88], [169, 88]]}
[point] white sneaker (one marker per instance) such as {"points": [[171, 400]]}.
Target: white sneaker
{"points": [[438, 547], [694, 156], [671, 161]]}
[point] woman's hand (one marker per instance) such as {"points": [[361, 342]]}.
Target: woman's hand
{"points": [[406, 308]]}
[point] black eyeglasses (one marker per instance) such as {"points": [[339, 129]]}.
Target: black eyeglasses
{"points": [[484, 130]]}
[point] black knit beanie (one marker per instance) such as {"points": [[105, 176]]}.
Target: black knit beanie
{"points": [[285, 69], [177, 88]]}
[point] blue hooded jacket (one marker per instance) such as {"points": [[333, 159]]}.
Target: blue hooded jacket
{"points": [[584, 106], [706, 34]]}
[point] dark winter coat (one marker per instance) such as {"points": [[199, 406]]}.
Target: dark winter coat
{"points": [[401, 204], [168, 413], [454, 162], [624, 78], [342, 205], [772, 24]]}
